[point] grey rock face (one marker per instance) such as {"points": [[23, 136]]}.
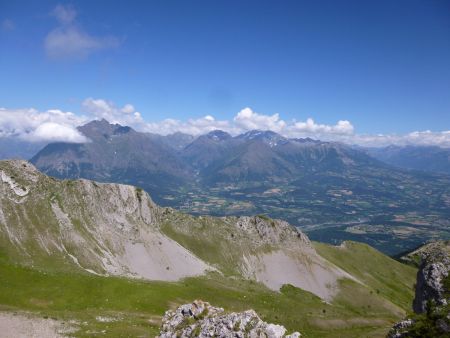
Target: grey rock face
{"points": [[200, 319], [268, 231], [430, 289], [400, 329], [433, 270]]}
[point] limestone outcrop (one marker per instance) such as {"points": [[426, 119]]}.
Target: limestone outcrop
{"points": [[430, 286], [200, 319], [432, 298]]}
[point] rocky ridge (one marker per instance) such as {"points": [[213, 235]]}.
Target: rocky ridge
{"points": [[430, 278], [432, 294], [200, 319], [269, 231]]}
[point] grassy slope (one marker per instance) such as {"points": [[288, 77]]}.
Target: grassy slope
{"points": [[356, 312], [390, 279], [208, 238]]}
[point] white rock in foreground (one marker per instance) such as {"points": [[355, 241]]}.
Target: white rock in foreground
{"points": [[200, 319]]}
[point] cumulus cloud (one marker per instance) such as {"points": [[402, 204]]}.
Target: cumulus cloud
{"points": [[102, 109], [54, 132], [69, 40], [342, 127], [194, 127], [34, 126], [56, 125], [247, 119], [127, 115], [342, 131], [128, 109]]}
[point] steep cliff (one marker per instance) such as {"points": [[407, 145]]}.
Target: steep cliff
{"points": [[432, 294]]}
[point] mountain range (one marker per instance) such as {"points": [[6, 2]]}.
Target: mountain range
{"points": [[425, 158], [214, 158], [117, 154], [331, 190]]}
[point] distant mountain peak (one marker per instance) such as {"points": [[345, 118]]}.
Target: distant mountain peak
{"points": [[218, 135], [104, 127], [97, 123], [256, 133], [306, 140], [267, 136]]}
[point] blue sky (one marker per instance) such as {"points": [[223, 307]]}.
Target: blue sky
{"points": [[384, 66]]}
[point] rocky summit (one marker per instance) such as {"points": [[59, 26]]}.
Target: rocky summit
{"points": [[200, 319]]}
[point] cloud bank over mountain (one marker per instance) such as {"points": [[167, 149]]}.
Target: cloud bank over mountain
{"points": [[35, 126], [56, 125]]}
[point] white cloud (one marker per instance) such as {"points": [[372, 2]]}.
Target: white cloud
{"points": [[247, 119], [128, 109], [198, 126], [54, 132], [69, 40], [298, 129], [342, 131], [56, 125], [102, 109], [34, 126], [127, 115]]}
